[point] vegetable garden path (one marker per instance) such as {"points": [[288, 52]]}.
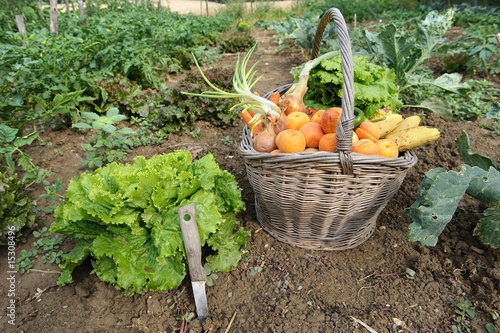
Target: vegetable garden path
{"points": [[279, 287]]}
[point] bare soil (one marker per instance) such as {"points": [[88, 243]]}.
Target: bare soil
{"points": [[296, 290]]}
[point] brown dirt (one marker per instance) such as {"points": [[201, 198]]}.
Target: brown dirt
{"points": [[326, 291]]}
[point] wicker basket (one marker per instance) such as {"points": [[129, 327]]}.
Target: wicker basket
{"points": [[324, 200]]}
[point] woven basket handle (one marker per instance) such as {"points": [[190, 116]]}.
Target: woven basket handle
{"points": [[346, 123]]}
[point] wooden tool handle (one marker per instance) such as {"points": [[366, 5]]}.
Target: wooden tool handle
{"points": [[192, 243]]}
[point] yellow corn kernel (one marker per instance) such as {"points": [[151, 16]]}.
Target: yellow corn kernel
{"points": [[382, 113]]}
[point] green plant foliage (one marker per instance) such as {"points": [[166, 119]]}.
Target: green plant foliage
{"points": [[10, 143], [471, 100], [240, 41], [16, 115], [125, 218], [18, 213], [363, 9], [179, 111], [128, 96], [10, 148], [140, 44], [300, 30], [25, 261], [374, 85], [464, 314], [109, 144], [476, 51], [46, 246], [471, 158], [51, 194], [403, 50], [472, 16], [441, 191]]}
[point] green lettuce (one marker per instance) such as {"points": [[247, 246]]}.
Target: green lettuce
{"points": [[125, 218], [374, 86]]}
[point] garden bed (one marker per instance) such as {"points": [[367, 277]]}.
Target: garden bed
{"points": [[278, 287]]}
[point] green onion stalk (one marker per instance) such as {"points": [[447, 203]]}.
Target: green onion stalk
{"points": [[243, 82]]}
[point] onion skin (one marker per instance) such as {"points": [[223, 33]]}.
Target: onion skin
{"points": [[264, 142], [291, 103], [279, 126]]}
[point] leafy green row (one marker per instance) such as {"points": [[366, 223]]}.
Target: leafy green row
{"points": [[140, 45]]}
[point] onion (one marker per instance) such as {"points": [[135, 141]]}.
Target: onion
{"points": [[264, 142], [279, 126], [292, 102], [293, 99]]}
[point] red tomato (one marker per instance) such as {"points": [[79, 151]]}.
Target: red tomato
{"points": [[311, 112]]}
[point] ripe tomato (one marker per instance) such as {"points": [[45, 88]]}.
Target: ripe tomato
{"points": [[311, 112]]}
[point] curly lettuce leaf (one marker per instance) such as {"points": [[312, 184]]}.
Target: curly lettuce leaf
{"points": [[73, 259], [374, 86], [226, 243], [135, 259]]}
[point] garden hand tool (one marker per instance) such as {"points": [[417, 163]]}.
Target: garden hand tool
{"points": [[192, 246]]}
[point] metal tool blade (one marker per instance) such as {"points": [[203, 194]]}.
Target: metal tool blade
{"points": [[192, 246], [200, 299]]}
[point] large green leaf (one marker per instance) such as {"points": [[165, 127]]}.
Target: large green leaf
{"points": [[488, 228], [436, 202], [25, 140], [485, 187], [451, 82], [438, 106], [471, 158], [7, 134], [404, 51]]}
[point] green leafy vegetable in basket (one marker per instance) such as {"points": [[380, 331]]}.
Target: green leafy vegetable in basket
{"points": [[125, 218], [441, 191], [374, 86], [264, 111]]}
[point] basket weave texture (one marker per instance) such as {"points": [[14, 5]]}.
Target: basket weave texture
{"points": [[324, 200]]}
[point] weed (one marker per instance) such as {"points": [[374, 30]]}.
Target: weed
{"points": [[196, 133], [185, 317], [52, 195], [464, 314], [25, 261], [46, 246], [109, 144], [58, 153], [211, 276], [227, 140], [318, 259]]}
